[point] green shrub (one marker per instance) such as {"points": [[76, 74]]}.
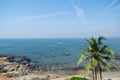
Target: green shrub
{"points": [[77, 78]]}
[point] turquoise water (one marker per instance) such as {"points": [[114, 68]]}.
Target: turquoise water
{"points": [[49, 51]]}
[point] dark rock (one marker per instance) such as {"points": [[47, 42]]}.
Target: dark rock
{"points": [[3, 55], [3, 71], [67, 54], [23, 60], [13, 66], [57, 77], [11, 58], [48, 76], [117, 56], [8, 57], [12, 75]]}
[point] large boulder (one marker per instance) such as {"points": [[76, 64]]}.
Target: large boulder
{"points": [[13, 66], [4, 57], [23, 60]]}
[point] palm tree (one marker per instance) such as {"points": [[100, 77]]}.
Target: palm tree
{"points": [[98, 57]]}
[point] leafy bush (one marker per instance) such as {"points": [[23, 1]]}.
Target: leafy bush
{"points": [[77, 78]]}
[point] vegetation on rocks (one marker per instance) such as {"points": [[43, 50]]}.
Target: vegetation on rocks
{"points": [[77, 78]]}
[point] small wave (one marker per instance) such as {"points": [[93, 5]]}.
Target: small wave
{"points": [[5, 44], [59, 43], [52, 46]]}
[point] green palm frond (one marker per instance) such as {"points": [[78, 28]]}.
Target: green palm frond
{"points": [[104, 49], [90, 41], [94, 62], [85, 54], [82, 58], [95, 46], [88, 66], [111, 51], [105, 65], [97, 55], [108, 59], [100, 40], [107, 51], [88, 48]]}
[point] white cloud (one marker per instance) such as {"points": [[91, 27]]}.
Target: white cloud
{"points": [[115, 12], [49, 15], [108, 7], [25, 18], [22, 19], [79, 11]]}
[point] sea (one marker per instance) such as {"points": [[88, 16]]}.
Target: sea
{"points": [[52, 50]]}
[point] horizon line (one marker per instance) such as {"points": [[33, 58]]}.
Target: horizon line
{"points": [[59, 37]]}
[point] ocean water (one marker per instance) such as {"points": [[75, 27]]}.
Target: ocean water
{"points": [[50, 51]]}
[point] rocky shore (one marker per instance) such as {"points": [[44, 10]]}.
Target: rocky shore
{"points": [[14, 66], [117, 56], [23, 68]]}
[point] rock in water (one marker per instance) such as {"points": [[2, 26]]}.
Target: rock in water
{"points": [[67, 54]]}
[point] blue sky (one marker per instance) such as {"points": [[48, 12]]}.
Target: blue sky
{"points": [[59, 18]]}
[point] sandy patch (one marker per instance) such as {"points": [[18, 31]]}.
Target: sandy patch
{"points": [[5, 78]]}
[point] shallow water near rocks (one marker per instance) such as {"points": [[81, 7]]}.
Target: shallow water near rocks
{"points": [[51, 51]]}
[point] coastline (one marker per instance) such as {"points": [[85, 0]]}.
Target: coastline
{"points": [[24, 71], [63, 74], [113, 75]]}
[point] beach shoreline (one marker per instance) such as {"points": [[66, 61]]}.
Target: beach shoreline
{"points": [[25, 71], [65, 74]]}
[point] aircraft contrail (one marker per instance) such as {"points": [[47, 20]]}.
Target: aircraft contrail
{"points": [[108, 7], [79, 11]]}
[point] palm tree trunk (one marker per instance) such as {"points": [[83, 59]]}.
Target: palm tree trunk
{"points": [[96, 73], [93, 74], [100, 73]]}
